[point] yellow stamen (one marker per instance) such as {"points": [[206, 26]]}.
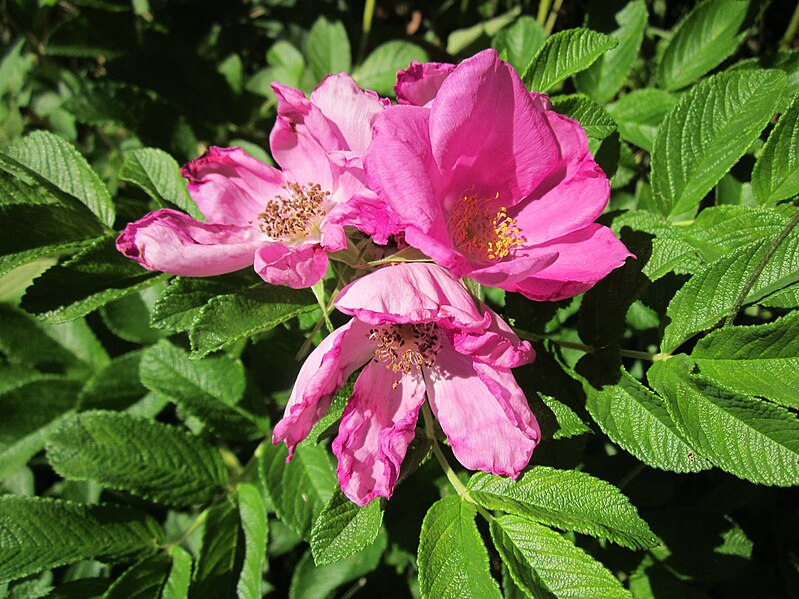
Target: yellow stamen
{"points": [[482, 229]]}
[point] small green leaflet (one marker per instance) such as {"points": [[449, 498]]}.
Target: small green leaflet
{"points": [[603, 79], [343, 528], [129, 316], [775, 176], [707, 35], [706, 133], [328, 49], [545, 564], [157, 173], [564, 54], [453, 562], [379, 71], [149, 459], [95, 276], [711, 293], [567, 499], [116, 386], [252, 511], [639, 113], [637, 420], [220, 555], [758, 360], [55, 162], [142, 580], [750, 438], [300, 489], [177, 584], [37, 534], [592, 117], [520, 41]]}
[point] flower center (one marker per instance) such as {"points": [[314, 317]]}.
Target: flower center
{"points": [[482, 229], [295, 214], [407, 346]]}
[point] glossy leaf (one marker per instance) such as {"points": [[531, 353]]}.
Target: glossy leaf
{"points": [[519, 42], [328, 48], [639, 114], [343, 528], [592, 117], [379, 71], [775, 176], [252, 510]]}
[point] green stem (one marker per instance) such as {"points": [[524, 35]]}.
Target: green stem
{"points": [[198, 521], [326, 310], [543, 11], [442, 460], [739, 301], [366, 29], [319, 293], [790, 33], [553, 15], [589, 349], [638, 469]]}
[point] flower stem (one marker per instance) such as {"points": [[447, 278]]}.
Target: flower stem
{"points": [[442, 460], [319, 293], [790, 33], [366, 29], [543, 11], [739, 301], [553, 15], [590, 349]]}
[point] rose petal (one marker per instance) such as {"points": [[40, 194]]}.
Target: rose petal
{"points": [[298, 267], [419, 83]]}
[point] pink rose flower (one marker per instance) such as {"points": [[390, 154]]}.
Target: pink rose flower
{"points": [[282, 222], [421, 337], [489, 181]]}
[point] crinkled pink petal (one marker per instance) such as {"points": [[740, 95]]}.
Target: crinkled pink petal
{"points": [[478, 429], [498, 345], [300, 156], [170, 241], [230, 186], [376, 428], [567, 206], [506, 272], [419, 83], [410, 293], [339, 100], [369, 215], [292, 104], [584, 257], [488, 134], [324, 371], [401, 170], [298, 267]]}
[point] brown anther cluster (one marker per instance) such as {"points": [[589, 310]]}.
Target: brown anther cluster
{"points": [[483, 230], [295, 213], [405, 347]]}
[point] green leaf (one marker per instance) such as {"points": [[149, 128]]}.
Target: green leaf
{"points": [[252, 510], [142, 580], [775, 176], [227, 318], [545, 564], [220, 555], [177, 583], [152, 460], [706, 133], [43, 230], [14, 456], [785, 298], [210, 389], [701, 41], [564, 54], [95, 276], [639, 115], [318, 582], [520, 41], [750, 438], [711, 293], [453, 562], [343, 529], [379, 71], [157, 173], [37, 534], [603, 79], [301, 488], [116, 386], [55, 162], [718, 230], [34, 404], [475, 36], [567, 499], [129, 317], [568, 423], [755, 360], [328, 49], [637, 420], [592, 117]]}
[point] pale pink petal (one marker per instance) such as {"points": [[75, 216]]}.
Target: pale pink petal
{"points": [[230, 186], [516, 268], [340, 101], [419, 83], [488, 134], [292, 104], [584, 257], [410, 293], [326, 370], [170, 241], [376, 428], [562, 206], [300, 156], [475, 420], [498, 345], [298, 267]]}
